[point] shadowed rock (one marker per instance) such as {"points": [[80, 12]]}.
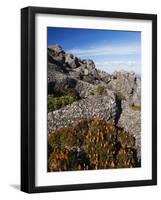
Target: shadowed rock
{"points": [[131, 121]]}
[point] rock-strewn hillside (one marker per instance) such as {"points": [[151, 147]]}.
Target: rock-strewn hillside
{"points": [[115, 97]]}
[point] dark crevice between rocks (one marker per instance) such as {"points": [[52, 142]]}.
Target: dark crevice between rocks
{"points": [[137, 162], [51, 86], [118, 109]]}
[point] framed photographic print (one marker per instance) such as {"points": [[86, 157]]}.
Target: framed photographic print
{"points": [[88, 99]]}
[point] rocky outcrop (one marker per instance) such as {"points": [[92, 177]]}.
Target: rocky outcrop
{"points": [[59, 80], [104, 76], [109, 96], [136, 97], [90, 69], [56, 54], [71, 61], [128, 84], [69, 71], [131, 121], [89, 108], [71, 64]]}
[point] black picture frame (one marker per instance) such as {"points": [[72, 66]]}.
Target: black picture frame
{"points": [[28, 98]]}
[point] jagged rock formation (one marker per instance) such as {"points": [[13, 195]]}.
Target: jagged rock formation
{"points": [[114, 96], [128, 84]]}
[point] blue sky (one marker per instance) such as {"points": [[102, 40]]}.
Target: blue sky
{"points": [[110, 50]]}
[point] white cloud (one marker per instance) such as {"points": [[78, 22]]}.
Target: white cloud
{"points": [[111, 66], [115, 51], [106, 50], [130, 63]]}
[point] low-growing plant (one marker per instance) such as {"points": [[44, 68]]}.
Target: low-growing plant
{"points": [[55, 103], [61, 91], [136, 107], [120, 96], [91, 144], [101, 90], [70, 92]]}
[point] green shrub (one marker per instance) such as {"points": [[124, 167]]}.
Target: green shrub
{"points": [[62, 91], [136, 107], [54, 103], [61, 97], [120, 96], [101, 90], [70, 92]]}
